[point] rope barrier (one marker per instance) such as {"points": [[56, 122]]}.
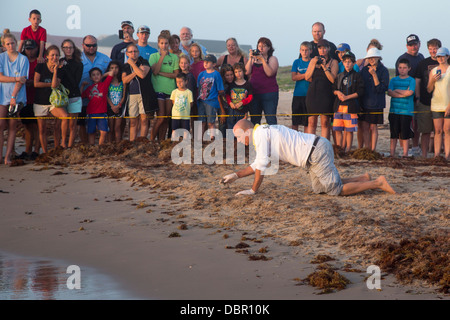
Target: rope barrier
{"points": [[197, 116]]}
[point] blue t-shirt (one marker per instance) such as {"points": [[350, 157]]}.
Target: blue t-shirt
{"points": [[146, 52], [209, 85], [18, 68], [405, 105], [301, 87], [101, 61], [342, 68]]}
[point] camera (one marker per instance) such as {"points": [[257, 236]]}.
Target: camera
{"points": [[320, 59], [256, 52], [13, 111]]}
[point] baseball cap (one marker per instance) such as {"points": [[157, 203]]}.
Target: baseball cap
{"points": [[412, 39], [350, 55], [143, 29], [29, 44], [126, 23], [442, 52], [211, 57], [323, 43], [372, 53], [343, 47]]}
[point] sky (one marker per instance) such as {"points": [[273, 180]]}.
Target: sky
{"points": [[285, 23]]}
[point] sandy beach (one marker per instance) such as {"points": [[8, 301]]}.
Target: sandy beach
{"points": [[170, 232]]}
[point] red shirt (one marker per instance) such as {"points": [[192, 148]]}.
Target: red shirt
{"points": [[39, 35], [98, 96]]}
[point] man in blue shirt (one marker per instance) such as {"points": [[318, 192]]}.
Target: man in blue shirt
{"points": [[90, 59]]}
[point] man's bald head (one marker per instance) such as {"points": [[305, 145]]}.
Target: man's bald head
{"points": [[242, 130], [243, 124]]}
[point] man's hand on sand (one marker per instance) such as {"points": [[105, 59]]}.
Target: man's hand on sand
{"points": [[248, 192], [229, 178]]}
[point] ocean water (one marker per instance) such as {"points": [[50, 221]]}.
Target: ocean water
{"points": [[29, 278]]}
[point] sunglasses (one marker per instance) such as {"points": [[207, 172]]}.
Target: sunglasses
{"points": [[91, 45]]}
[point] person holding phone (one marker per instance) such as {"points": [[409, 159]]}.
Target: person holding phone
{"points": [[126, 34], [439, 86]]}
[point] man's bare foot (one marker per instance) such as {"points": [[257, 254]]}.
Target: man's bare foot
{"points": [[384, 185]]}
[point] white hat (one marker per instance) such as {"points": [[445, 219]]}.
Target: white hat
{"points": [[372, 53]]}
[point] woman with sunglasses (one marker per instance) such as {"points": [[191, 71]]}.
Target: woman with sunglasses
{"points": [[141, 97]]}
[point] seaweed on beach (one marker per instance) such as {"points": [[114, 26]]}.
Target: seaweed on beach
{"points": [[365, 154], [424, 259], [327, 279]]}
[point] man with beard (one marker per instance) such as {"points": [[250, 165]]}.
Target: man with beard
{"points": [[186, 41]]}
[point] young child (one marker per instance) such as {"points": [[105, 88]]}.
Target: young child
{"points": [[348, 88], [401, 90], [299, 68], [185, 67], [116, 99], [196, 53], [239, 96], [97, 93], [182, 100], [210, 86], [35, 32], [341, 49]]}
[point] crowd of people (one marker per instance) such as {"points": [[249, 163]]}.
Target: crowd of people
{"points": [[155, 91]]}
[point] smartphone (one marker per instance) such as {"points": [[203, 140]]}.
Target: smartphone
{"points": [[438, 72], [120, 34]]}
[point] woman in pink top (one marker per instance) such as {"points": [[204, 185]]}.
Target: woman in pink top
{"points": [[262, 66]]}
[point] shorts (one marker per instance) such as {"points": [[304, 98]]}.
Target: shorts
{"points": [[372, 116], [206, 112], [299, 112], [344, 121], [75, 105], [135, 105], [162, 96], [28, 114], [424, 118], [97, 121], [181, 123], [41, 110], [400, 126], [323, 173], [439, 115]]}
